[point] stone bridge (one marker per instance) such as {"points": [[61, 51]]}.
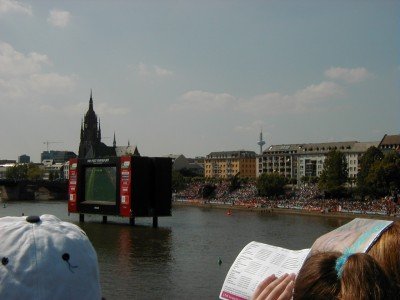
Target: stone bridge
{"points": [[33, 190]]}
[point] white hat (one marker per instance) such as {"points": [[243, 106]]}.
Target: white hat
{"points": [[45, 258]]}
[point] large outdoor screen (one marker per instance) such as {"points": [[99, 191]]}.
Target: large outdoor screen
{"points": [[100, 184]]}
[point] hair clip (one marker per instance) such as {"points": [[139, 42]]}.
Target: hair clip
{"points": [[340, 263]]}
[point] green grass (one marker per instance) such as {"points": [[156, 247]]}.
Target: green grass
{"points": [[100, 184]]}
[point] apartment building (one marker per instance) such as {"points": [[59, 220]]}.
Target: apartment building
{"points": [[390, 142], [297, 161], [226, 164], [281, 159]]}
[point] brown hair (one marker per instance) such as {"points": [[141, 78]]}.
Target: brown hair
{"points": [[317, 278], [361, 278], [386, 251]]}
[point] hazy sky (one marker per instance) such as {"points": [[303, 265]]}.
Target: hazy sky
{"points": [[194, 77]]}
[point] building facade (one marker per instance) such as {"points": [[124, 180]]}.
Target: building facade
{"points": [[24, 159], [281, 159], [226, 164], [390, 142], [300, 161], [57, 156]]}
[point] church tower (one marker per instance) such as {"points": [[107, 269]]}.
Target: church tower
{"points": [[91, 128], [90, 145]]}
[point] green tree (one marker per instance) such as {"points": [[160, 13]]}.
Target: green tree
{"points": [[178, 181], [188, 172], [384, 175], [208, 190], [367, 161], [271, 184], [17, 172], [234, 183], [334, 174], [34, 172]]}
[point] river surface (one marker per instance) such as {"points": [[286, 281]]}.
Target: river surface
{"points": [[179, 259]]}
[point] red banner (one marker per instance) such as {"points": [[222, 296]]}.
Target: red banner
{"points": [[125, 186], [72, 189]]}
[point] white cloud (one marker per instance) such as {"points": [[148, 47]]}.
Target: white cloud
{"points": [[51, 82], [104, 108], [200, 101], [11, 89], [162, 72], [59, 18], [153, 71], [75, 109], [314, 94], [22, 75], [14, 63], [143, 70], [11, 6], [266, 104], [348, 75], [308, 99], [254, 126]]}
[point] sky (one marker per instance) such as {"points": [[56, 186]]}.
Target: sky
{"points": [[193, 77]]}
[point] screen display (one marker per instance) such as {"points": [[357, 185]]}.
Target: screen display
{"points": [[100, 184]]}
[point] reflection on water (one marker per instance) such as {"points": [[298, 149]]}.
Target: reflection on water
{"points": [[179, 260], [131, 257]]}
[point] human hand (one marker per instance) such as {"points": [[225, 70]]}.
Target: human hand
{"points": [[273, 288]]}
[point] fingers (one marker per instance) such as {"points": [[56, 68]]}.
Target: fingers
{"points": [[287, 294], [277, 287], [264, 284], [273, 288]]}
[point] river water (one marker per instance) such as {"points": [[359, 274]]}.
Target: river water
{"points": [[179, 259]]}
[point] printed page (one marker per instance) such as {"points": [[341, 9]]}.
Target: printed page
{"points": [[254, 263]]}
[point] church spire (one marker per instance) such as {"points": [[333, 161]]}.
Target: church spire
{"points": [[114, 142], [91, 101]]}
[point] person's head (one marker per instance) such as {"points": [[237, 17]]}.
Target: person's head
{"points": [[386, 252], [45, 258], [329, 275]]}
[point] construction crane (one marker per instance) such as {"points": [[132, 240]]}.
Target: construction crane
{"points": [[50, 142]]}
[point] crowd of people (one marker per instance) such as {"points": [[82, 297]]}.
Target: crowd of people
{"points": [[305, 198]]}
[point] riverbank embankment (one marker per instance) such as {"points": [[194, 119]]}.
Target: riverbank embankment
{"points": [[278, 210]]}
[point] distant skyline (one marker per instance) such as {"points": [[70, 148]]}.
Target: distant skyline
{"points": [[194, 77]]}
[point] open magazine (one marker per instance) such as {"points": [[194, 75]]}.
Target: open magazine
{"points": [[257, 260]]}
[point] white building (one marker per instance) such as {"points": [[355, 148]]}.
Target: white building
{"points": [[297, 161]]}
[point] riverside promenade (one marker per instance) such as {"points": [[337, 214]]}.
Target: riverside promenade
{"points": [[305, 200]]}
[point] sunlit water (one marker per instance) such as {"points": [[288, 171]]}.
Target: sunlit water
{"points": [[179, 259]]}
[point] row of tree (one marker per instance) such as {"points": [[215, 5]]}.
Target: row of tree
{"points": [[24, 172], [29, 172], [379, 175]]}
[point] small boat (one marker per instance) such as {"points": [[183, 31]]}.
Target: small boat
{"points": [[229, 213]]}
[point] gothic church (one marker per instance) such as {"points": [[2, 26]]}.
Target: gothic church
{"points": [[91, 146]]}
